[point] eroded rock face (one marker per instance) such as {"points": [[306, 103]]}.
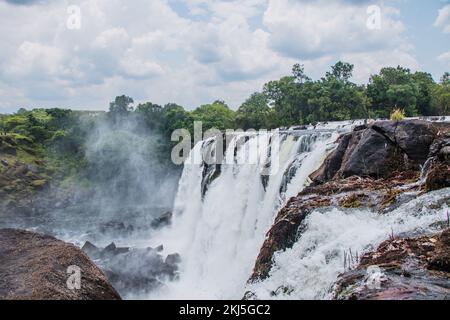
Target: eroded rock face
{"points": [[401, 269], [35, 267], [381, 149]]}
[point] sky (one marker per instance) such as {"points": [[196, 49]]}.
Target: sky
{"points": [[81, 54]]}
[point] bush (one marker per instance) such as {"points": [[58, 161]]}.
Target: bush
{"points": [[398, 115]]}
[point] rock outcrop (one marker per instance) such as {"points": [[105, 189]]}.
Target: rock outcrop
{"points": [[372, 167], [38, 267], [400, 269], [381, 149]]}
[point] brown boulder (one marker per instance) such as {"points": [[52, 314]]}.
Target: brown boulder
{"points": [[36, 267]]}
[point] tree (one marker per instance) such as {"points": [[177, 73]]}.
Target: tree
{"points": [[216, 115], [254, 112], [425, 85], [397, 88], [298, 70], [36, 126], [441, 98], [341, 70], [3, 128], [283, 95], [175, 117], [445, 79], [121, 105], [150, 114], [403, 97]]}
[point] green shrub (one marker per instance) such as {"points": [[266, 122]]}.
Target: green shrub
{"points": [[398, 115]]}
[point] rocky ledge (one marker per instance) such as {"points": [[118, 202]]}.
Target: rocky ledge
{"points": [[377, 166], [401, 268], [39, 267]]}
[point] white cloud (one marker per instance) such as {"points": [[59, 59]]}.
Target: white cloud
{"points": [[443, 19], [445, 57], [112, 39], [135, 67], [32, 57], [303, 29], [219, 50]]}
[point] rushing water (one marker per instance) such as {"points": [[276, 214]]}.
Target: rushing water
{"points": [[219, 230], [219, 235], [312, 265], [222, 213]]}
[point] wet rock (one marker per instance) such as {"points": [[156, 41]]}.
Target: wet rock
{"points": [[91, 250], [139, 270], [110, 248], [381, 149], [114, 227], [333, 162], [173, 259], [134, 270], [438, 176], [438, 164], [34, 267], [373, 156], [162, 221], [113, 250], [400, 269], [299, 128], [413, 137], [355, 192]]}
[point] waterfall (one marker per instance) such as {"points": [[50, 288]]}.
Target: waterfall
{"points": [[222, 212]]}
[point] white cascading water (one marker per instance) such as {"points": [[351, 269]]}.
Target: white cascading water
{"points": [[220, 234], [309, 269]]}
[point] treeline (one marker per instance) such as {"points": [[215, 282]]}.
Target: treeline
{"points": [[291, 100], [297, 100]]}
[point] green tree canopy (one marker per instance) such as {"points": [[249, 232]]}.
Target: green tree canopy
{"points": [[121, 105], [254, 113], [216, 115]]}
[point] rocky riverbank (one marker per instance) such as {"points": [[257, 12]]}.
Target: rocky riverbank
{"points": [[377, 167]]}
